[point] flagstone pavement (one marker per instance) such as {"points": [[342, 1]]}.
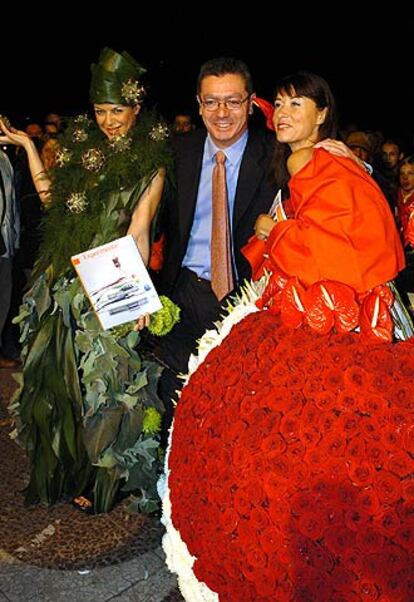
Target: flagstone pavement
{"points": [[60, 554]]}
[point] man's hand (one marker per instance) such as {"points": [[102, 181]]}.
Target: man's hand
{"points": [[340, 149]]}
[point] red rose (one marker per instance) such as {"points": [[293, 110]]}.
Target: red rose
{"points": [[387, 522], [408, 440], [345, 597], [338, 539], [331, 514], [376, 453], [333, 444], [324, 400], [371, 428], [382, 383], [390, 437], [356, 378], [400, 463], [388, 487], [333, 379], [368, 500], [395, 559], [374, 404], [310, 524], [407, 489], [402, 396], [300, 476], [352, 559], [343, 580], [349, 424], [356, 448], [356, 520], [400, 418], [273, 443], [405, 538], [290, 428], [368, 590], [348, 400]]}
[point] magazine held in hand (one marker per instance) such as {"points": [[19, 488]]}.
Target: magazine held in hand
{"points": [[117, 282]]}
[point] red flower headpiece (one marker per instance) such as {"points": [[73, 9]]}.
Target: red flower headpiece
{"points": [[267, 108]]}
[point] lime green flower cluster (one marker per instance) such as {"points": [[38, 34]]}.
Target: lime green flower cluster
{"points": [[152, 421], [163, 320]]}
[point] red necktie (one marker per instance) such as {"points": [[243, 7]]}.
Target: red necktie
{"points": [[221, 269]]}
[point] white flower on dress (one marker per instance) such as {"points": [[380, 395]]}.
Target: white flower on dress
{"points": [[132, 91], [63, 156], [159, 132], [93, 159], [77, 202], [79, 134], [120, 144]]}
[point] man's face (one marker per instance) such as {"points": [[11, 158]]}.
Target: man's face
{"points": [[226, 122]]}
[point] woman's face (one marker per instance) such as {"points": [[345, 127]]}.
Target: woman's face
{"points": [[407, 177], [115, 120], [297, 120]]}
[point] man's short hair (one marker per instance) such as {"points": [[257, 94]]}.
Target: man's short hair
{"points": [[224, 66]]}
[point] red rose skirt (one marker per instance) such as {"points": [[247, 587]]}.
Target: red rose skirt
{"points": [[291, 467]]}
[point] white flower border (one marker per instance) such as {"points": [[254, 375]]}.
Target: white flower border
{"points": [[179, 559]]}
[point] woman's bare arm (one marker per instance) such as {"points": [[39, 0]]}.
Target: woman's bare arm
{"points": [[40, 179]]}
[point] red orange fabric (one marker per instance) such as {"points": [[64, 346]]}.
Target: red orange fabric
{"points": [[406, 216], [342, 228]]}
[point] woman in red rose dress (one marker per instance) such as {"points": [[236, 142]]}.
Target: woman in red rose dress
{"points": [[291, 461]]}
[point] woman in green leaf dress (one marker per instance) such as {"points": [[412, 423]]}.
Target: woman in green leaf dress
{"points": [[86, 410]]}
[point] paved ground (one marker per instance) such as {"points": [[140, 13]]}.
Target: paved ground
{"points": [[60, 554]]}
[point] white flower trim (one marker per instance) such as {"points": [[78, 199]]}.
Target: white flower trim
{"points": [[178, 558]]}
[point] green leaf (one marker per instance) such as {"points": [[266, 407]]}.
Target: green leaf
{"points": [[84, 341], [41, 296], [132, 339], [131, 428], [101, 430]]}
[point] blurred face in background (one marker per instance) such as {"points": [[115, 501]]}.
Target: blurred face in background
{"points": [[407, 177], [182, 124], [34, 130], [391, 154]]}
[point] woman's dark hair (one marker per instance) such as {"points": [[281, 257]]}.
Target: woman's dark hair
{"points": [[223, 66], [310, 85], [407, 161]]}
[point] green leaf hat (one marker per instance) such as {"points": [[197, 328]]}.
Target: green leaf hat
{"points": [[115, 79]]}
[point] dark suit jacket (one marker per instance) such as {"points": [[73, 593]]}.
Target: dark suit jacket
{"points": [[254, 194]]}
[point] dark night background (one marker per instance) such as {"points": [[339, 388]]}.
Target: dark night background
{"points": [[368, 62]]}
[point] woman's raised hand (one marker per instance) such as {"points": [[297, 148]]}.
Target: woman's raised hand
{"points": [[12, 136]]}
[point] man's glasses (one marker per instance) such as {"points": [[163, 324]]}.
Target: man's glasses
{"points": [[231, 104]]}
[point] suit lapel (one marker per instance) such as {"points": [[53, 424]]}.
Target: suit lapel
{"points": [[190, 170], [250, 176]]}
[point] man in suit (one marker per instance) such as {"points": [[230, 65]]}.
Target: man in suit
{"points": [[224, 95]]}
